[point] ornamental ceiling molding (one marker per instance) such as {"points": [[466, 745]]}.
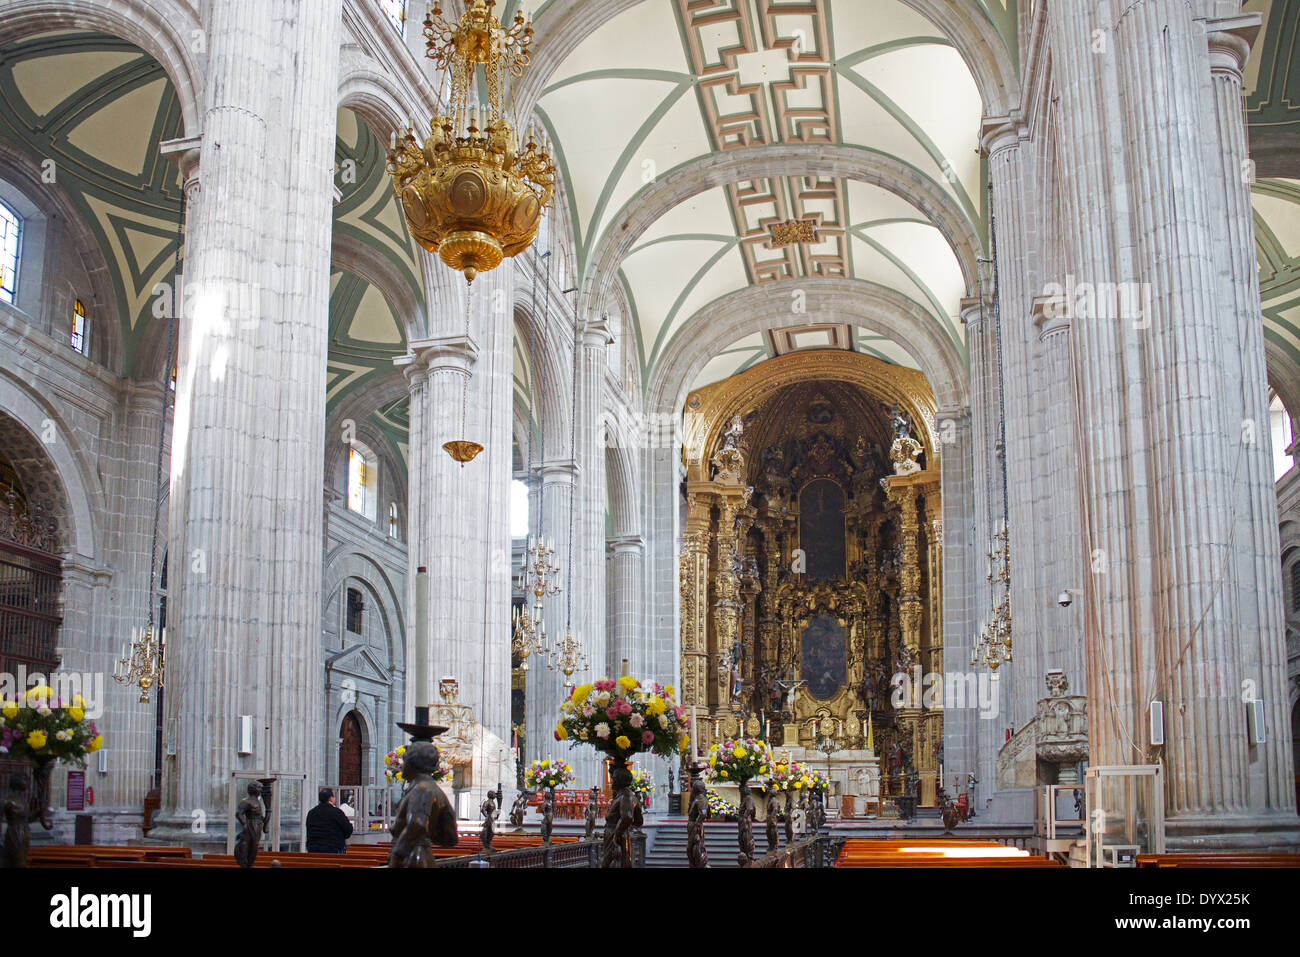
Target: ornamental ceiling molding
{"points": [[758, 162], [562, 25], [749, 390], [760, 308]]}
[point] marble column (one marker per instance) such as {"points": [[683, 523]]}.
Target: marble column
{"points": [[1160, 426], [589, 550], [246, 501], [625, 570], [1259, 586]]}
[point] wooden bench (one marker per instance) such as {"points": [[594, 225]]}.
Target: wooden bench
{"points": [[1228, 859], [935, 853]]}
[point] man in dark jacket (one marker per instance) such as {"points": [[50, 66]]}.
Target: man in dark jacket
{"points": [[328, 828]]}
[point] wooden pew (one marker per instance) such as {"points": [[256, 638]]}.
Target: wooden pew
{"points": [[1230, 859]]}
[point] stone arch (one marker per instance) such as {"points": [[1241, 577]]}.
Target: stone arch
{"points": [[346, 562], [164, 29], [370, 92], [623, 489], [759, 308], [71, 493], [707, 172], [106, 334], [552, 375], [371, 264]]}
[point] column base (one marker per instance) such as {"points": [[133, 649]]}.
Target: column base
{"points": [[173, 828], [1276, 832]]}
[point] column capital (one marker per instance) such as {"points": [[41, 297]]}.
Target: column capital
{"points": [[998, 133], [184, 154], [1050, 314], [971, 314], [595, 332], [625, 544], [558, 471], [439, 354], [1230, 40]]}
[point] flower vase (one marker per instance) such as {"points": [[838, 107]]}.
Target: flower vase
{"points": [[624, 815]]}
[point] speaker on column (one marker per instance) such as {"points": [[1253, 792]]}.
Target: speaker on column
{"points": [[1255, 722], [1157, 722]]}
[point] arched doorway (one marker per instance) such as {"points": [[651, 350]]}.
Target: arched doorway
{"points": [[350, 750]]}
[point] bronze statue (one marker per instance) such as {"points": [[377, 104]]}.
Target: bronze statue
{"points": [[624, 814], [18, 817], [745, 822], [489, 811], [947, 810], [789, 816], [698, 812], [519, 808], [592, 796], [250, 814], [424, 814], [770, 809], [548, 814]]}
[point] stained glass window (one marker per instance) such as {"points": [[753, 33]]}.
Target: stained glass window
{"points": [[396, 10], [78, 337], [10, 227]]}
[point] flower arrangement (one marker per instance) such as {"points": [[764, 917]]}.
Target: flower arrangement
{"points": [[720, 809], [736, 761], [547, 773], [817, 780], [788, 776], [642, 786], [39, 727], [393, 766], [623, 718]]}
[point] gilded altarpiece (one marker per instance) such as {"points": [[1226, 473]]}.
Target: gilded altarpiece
{"points": [[810, 562]]}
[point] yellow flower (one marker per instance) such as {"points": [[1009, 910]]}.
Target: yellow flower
{"points": [[10, 710], [713, 761], [724, 772], [76, 714], [797, 785], [94, 744], [36, 740], [623, 742], [683, 743], [739, 752], [580, 693], [762, 769], [401, 749], [40, 693], [655, 706], [78, 701], [560, 732], [627, 684], [671, 692], [399, 776], [546, 763]]}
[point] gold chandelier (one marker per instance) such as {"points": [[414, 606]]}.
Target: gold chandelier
{"points": [[141, 662], [471, 192], [541, 577], [994, 644]]}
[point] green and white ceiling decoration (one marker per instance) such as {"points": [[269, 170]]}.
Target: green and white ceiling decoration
{"points": [[668, 82], [1277, 239], [98, 107]]}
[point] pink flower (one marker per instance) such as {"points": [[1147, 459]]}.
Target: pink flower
{"points": [[647, 737], [588, 711], [605, 685], [636, 720], [679, 712]]}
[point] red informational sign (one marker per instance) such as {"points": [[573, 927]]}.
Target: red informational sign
{"points": [[76, 790]]}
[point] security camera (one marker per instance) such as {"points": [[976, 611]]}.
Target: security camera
{"points": [[1064, 599]]}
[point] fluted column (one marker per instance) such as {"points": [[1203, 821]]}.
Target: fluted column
{"points": [[246, 503], [589, 550], [1263, 644], [625, 573], [1160, 427], [1011, 172]]}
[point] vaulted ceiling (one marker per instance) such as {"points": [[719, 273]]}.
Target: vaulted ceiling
{"points": [[669, 82]]}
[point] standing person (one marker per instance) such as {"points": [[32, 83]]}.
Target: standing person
{"points": [[328, 828]]}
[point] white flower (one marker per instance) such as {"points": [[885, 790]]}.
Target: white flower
{"points": [[602, 730], [602, 699], [43, 710], [63, 735]]}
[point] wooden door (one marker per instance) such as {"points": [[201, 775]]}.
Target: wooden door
{"points": [[350, 750]]}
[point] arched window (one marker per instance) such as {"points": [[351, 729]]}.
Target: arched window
{"points": [[1280, 426], [361, 480], [396, 10], [392, 519], [78, 337], [10, 230]]}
